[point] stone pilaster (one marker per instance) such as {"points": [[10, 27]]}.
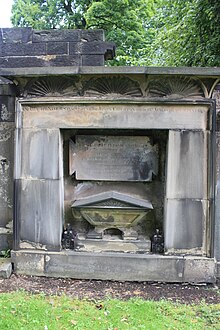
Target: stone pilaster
{"points": [[7, 111]]}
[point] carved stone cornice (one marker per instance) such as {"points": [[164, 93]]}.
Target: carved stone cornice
{"points": [[171, 87]]}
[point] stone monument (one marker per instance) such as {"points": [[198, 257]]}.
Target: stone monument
{"points": [[106, 172]]}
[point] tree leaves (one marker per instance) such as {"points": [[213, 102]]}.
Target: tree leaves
{"points": [[146, 32]]}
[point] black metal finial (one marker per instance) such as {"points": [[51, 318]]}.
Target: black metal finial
{"points": [[157, 243], [68, 237]]}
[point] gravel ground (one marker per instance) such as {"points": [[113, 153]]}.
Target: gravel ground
{"points": [[98, 290]]}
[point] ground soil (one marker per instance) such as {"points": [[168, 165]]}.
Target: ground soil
{"points": [[98, 290]]}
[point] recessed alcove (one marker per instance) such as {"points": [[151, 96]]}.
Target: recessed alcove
{"points": [[109, 168], [113, 233]]}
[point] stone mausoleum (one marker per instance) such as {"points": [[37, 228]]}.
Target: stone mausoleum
{"points": [[106, 172]]}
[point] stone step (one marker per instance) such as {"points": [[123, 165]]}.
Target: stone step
{"points": [[5, 267]]}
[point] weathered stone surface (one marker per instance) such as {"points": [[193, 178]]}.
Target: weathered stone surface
{"points": [[75, 47], [102, 115], [96, 47], [41, 154], [92, 35], [116, 245], [218, 270], [113, 266], [217, 202], [199, 270], [41, 60], [5, 268], [90, 48], [68, 35], [105, 266], [16, 35], [7, 108], [187, 167], [56, 35], [7, 87], [96, 60], [40, 212], [28, 263], [113, 158], [15, 49], [6, 172], [119, 267], [5, 239], [117, 70], [185, 225], [57, 48], [24, 47]]}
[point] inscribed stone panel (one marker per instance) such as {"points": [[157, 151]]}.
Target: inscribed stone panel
{"points": [[113, 158], [134, 116]]}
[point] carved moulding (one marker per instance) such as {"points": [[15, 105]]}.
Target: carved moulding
{"points": [[174, 88], [120, 86], [169, 87], [51, 86], [216, 96], [74, 86]]}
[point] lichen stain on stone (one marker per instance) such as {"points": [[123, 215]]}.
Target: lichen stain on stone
{"points": [[47, 57], [32, 245], [4, 165], [4, 230], [5, 132], [5, 114], [5, 181], [181, 252]]}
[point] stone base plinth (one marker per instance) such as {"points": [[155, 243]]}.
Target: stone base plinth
{"points": [[113, 245], [115, 266]]}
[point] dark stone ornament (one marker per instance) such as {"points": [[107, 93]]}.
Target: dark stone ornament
{"points": [[68, 237], [157, 243]]}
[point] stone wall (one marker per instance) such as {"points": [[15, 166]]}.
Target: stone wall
{"points": [[24, 47]]}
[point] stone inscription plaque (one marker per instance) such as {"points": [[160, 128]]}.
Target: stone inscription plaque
{"points": [[113, 158]]}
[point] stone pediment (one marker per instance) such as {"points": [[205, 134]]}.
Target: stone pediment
{"points": [[112, 199]]}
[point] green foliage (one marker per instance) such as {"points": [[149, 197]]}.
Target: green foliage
{"points": [[146, 32], [20, 310], [125, 21], [5, 253], [49, 14], [188, 33]]}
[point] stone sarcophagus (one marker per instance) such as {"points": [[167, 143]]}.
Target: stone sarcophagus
{"points": [[115, 171], [112, 210]]}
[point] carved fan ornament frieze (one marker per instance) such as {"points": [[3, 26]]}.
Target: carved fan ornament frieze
{"points": [[119, 86], [176, 87], [66, 86], [51, 86]]}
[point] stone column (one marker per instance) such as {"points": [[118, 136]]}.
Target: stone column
{"points": [[7, 110], [187, 201]]}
